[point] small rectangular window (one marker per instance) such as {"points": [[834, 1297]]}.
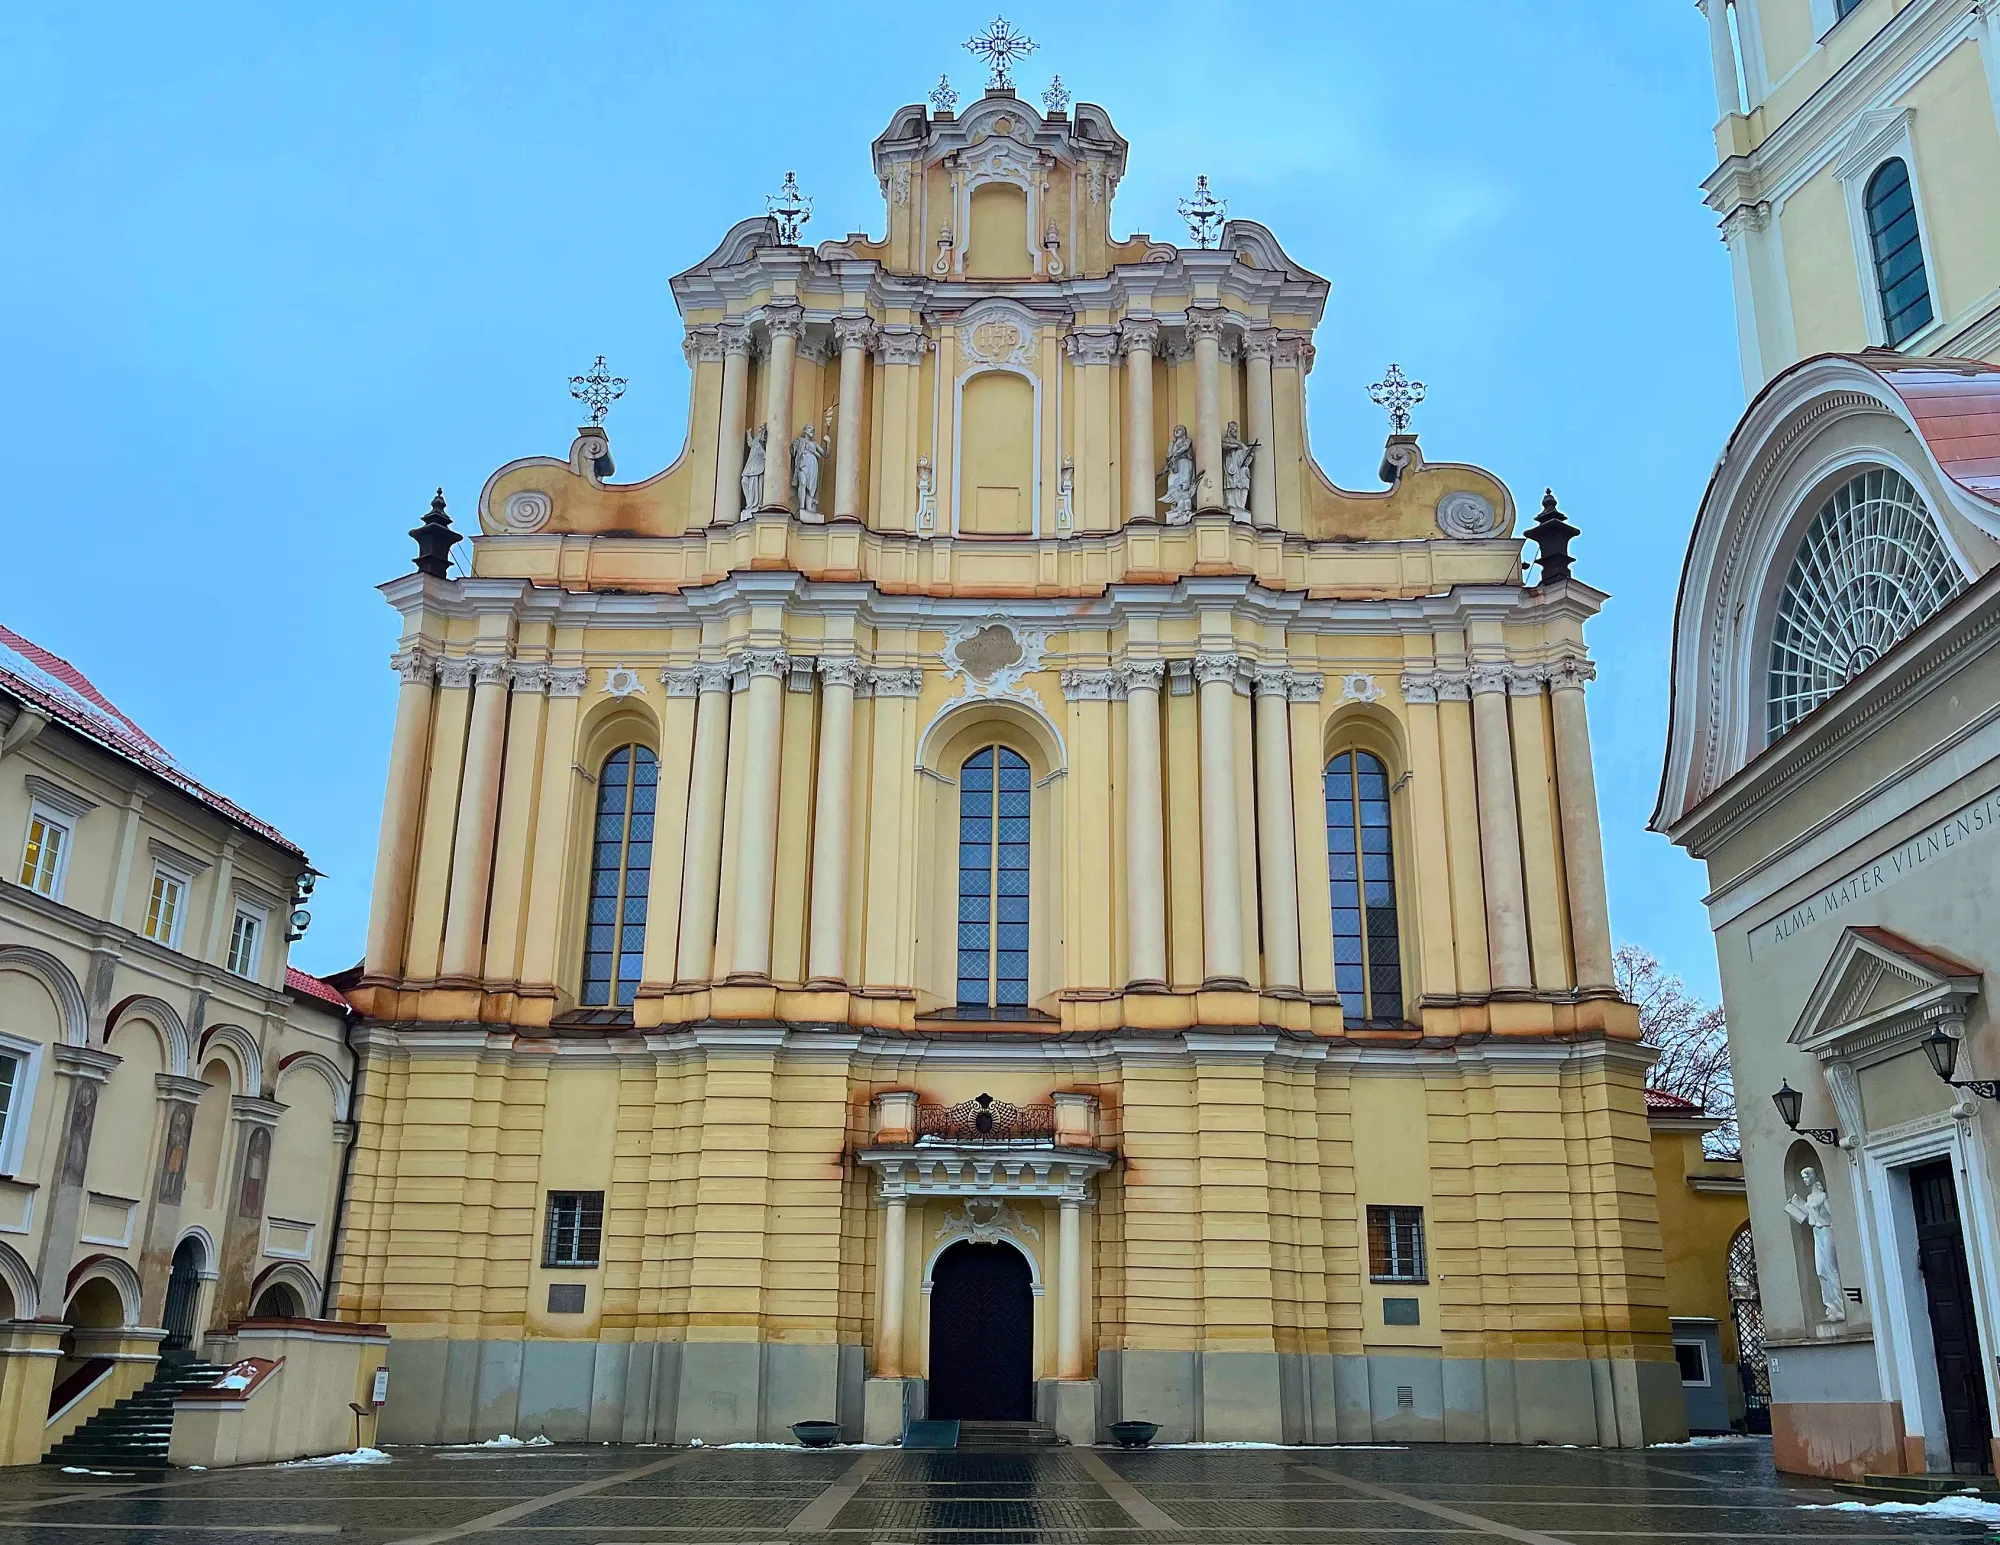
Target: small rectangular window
{"points": [[164, 907], [246, 943], [1693, 1358], [576, 1228], [1396, 1244], [10, 1094], [42, 862]]}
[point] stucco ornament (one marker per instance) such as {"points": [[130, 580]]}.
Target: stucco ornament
{"points": [[992, 655], [984, 1219], [1360, 688], [622, 681], [998, 340], [1179, 471], [753, 467], [1466, 515], [528, 510], [1815, 1212]]}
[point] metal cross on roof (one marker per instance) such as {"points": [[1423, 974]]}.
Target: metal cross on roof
{"points": [[943, 98], [1000, 45], [1398, 393], [791, 209], [597, 388], [1055, 101], [1204, 214]]}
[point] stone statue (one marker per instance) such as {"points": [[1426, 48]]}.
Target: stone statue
{"points": [[753, 468], [807, 454], [1237, 457], [1815, 1212], [926, 494], [1179, 498]]}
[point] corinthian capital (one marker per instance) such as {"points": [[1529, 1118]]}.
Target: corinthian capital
{"points": [[1206, 322], [785, 319], [1092, 345], [1420, 687], [702, 346], [1260, 343], [1210, 668], [415, 665], [681, 680], [492, 670], [854, 332], [1090, 686], [1143, 675], [1488, 678], [841, 670], [900, 346], [568, 681], [762, 662], [1570, 674], [455, 671], [1138, 333], [1271, 681], [734, 337]]}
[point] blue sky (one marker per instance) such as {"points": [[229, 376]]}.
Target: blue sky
{"points": [[277, 272]]}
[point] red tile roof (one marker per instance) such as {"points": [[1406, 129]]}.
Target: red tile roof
{"points": [[310, 986], [1956, 404], [50, 683], [1660, 1100]]}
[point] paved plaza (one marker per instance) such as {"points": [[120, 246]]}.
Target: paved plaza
{"points": [[540, 1496]]}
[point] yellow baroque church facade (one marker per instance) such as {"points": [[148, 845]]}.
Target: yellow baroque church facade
{"points": [[991, 887]]}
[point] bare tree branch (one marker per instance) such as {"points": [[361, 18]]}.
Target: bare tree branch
{"points": [[1690, 1035]]}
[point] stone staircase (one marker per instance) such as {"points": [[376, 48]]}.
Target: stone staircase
{"points": [[1005, 1437], [133, 1434]]}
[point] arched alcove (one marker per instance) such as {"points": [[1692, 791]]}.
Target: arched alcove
{"points": [[997, 245]]}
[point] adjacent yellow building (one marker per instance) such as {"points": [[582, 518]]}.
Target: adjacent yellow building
{"points": [[992, 886]]}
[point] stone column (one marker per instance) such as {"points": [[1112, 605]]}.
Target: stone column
{"points": [[243, 1225], [1145, 863], [1141, 458], [787, 322], [82, 1070], [889, 1345], [730, 431], [1722, 56], [1258, 348], [1069, 1291], [178, 1098], [1583, 841], [478, 809], [1276, 842], [1221, 885], [701, 879], [1499, 832], [395, 854], [757, 842], [826, 953], [1204, 325], [854, 335]]}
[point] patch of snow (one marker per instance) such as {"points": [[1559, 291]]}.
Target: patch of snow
{"points": [[796, 1448], [1970, 1509], [508, 1440], [360, 1456], [1727, 1437], [112, 1474], [1378, 1448]]}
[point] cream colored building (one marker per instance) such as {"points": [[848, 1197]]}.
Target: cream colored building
{"points": [[173, 1096], [949, 921], [1832, 755]]}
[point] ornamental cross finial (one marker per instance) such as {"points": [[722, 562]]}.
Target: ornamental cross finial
{"points": [[1001, 45], [597, 388], [1055, 101], [1398, 393], [943, 98], [791, 209], [1204, 214]]}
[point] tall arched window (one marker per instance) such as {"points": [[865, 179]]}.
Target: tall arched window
{"points": [[1367, 954], [993, 795], [1899, 253], [621, 863]]}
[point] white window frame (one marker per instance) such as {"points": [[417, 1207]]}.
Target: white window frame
{"points": [[178, 928], [1876, 139], [56, 806], [1707, 1379], [1826, 16], [259, 915], [21, 1109]]}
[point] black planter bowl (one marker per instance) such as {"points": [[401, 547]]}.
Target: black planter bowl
{"points": [[817, 1434], [1134, 1434]]}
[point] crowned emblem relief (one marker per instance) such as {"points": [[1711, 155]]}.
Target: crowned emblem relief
{"points": [[984, 1219], [998, 340], [993, 654]]}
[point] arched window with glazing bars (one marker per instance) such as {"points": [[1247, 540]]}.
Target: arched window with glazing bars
{"points": [[621, 864], [1898, 251], [993, 840], [1361, 865]]}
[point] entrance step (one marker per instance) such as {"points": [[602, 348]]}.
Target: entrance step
{"points": [[134, 1433], [1919, 1488], [1006, 1435]]}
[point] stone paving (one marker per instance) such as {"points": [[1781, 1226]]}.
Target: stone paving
{"points": [[572, 1495]]}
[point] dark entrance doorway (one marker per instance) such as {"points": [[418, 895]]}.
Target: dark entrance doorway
{"points": [[1954, 1330], [982, 1335], [183, 1292]]}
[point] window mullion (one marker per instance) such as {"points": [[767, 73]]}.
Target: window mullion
{"points": [[993, 888], [1361, 893]]}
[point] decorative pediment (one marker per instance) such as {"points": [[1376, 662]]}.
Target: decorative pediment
{"points": [[1879, 995]]}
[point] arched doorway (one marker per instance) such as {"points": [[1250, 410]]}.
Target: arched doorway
{"points": [[183, 1294], [982, 1335], [277, 1302]]}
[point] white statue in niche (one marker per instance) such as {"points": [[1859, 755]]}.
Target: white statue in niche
{"points": [[926, 494], [807, 454], [1179, 497], [1815, 1212], [753, 467], [1238, 455]]}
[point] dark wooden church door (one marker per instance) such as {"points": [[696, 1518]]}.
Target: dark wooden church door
{"points": [[1954, 1329], [982, 1335]]}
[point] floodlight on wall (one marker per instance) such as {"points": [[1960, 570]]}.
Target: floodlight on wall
{"points": [[1941, 1046], [1789, 1102]]}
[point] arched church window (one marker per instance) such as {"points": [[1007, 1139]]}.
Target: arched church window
{"points": [[621, 863], [1367, 952], [1869, 569], [993, 796], [1898, 251]]}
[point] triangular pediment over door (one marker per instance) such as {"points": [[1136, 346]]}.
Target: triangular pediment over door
{"points": [[1879, 994]]}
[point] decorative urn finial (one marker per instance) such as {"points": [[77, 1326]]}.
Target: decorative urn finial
{"points": [[435, 539], [1552, 533]]}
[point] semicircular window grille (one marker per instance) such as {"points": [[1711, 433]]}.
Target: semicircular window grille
{"points": [[1868, 571]]}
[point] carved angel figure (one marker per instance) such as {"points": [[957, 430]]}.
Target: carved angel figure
{"points": [[1238, 455], [1815, 1212], [1179, 497], [807, 453], [753, 467]]}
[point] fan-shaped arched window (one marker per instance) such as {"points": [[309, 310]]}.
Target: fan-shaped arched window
{"points": [[993, 796], [1869, 569], [1898, 251], [621, 864], [1360, 861]]}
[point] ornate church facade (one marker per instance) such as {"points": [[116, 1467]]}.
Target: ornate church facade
{"points": [[992, 886]]}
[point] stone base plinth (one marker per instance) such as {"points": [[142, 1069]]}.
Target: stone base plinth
{"points": [[1069, 1406], [886, 1404]]}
